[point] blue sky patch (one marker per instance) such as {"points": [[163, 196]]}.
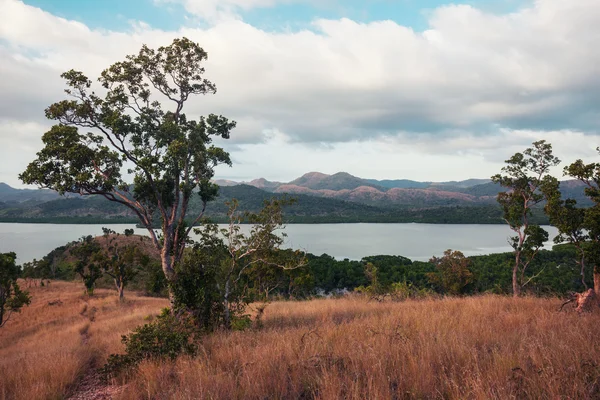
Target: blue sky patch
{"points": [[118, 14]]}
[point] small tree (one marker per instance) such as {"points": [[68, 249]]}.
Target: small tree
{"points": [[523, 176], [130, 132], [452, 272], [12, 298], [88, 262], [121, 263], [217, 277]]}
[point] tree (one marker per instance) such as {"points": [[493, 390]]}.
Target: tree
{"points": [[589, 175], [452, 272], [227, 267], [88, 262], [523, 176], [12, 298], [170, 156], [569, 220], [121, 263]]}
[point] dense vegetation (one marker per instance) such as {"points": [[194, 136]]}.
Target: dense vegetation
{"points": [[324, 275]]}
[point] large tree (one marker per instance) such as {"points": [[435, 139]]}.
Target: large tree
{"points": [[137, 133], [523, 176]]}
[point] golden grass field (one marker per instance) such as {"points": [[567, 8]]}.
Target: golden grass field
{"points": [[486, 347]]}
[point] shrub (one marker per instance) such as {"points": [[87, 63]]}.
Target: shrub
{"points": [[167, 337]]}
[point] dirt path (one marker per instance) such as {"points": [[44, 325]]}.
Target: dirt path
{"points": [[91, 387]]}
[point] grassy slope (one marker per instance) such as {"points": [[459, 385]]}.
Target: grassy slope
{"points": [[480, 348]]}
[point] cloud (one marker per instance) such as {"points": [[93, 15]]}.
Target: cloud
{"points": [[471, 79]]}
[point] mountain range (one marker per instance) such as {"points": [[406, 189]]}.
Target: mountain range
{"points": [[340, 197], [395, 193]]}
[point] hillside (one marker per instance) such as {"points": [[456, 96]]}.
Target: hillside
{"points": [[393, 197], [324, 348], [320, 198], [401, 193]]}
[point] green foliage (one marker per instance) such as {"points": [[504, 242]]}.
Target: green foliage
{"points": [[167, 337], [152, 280], [397, 291], [589, 174], [525, 175], [226, 269], [12, 298], [171, 157], [121, 263], [196, 289], [452, 273], [88, 264]]}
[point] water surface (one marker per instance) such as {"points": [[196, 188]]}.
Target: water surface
{"points": [[353, 241]]}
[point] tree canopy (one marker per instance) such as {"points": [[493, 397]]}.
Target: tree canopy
{"points": [[139, 148], [523, 176]]}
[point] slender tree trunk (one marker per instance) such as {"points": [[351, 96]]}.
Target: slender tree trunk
{"points": [[515, 276], [120, 288], [168, 270]]}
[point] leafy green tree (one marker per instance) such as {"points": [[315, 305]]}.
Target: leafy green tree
{"points": [[589, 174], [376, 289], [523, 176], [88, 263], [12, 298], [130, 132], [569, 220], [452, 273], [234, 266], [121, 263]]}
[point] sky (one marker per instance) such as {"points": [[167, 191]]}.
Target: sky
{"points": [[428, 90]]}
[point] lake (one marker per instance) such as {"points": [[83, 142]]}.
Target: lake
{"points": [[353, 241]]}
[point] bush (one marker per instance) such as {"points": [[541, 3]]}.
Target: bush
{"points": [[196, 289], [167, 337]]}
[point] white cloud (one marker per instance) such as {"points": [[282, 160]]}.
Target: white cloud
{"points": [[424, 157], [472, 80]]}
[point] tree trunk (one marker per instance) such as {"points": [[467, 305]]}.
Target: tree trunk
{"points": [[120, 288], [515, 277], [586, 301], [168, 270]]}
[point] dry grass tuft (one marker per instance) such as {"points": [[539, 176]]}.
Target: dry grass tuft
{"points": [[474, 348]]}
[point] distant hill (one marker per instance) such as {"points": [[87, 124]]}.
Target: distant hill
{"points": [[320, 197], [344, 186], [339, 181], [393, 197], [400, 183], [9, 194]]}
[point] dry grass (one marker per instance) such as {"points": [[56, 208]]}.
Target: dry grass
{"points": [[47, 348], [475, 348]]}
